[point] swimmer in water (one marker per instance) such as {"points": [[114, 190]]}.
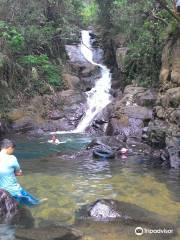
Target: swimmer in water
{"points": [[124, 152], [54, 140]]}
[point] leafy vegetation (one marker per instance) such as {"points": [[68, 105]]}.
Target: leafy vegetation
{"points": [[32, 39], [89, 12], [144, 24]]}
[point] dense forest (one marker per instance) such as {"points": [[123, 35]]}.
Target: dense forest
{"points": [[33, 35]]}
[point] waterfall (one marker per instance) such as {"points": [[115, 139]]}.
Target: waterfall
{"points": [[98, 97]]}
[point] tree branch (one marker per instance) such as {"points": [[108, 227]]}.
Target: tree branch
{"points": [[157, 17], [164, 4]]}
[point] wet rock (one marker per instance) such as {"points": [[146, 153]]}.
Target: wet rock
{"points": [[75, 55], [115, 84], [97, 144], [159, 158], [157, 133], [8, 207], [79, 65], [135, 147], [11, 213], [90, 70], [48, 233], [98, 55], [112, 210], [88, 82], [173, 149]]}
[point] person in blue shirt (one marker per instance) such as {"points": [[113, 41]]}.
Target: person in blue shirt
{"points": [[9, 169]]}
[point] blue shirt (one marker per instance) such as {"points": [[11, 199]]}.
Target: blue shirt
{"points": [[8, 166]]}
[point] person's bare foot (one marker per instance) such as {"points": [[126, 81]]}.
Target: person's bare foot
{"points": [[43, 200]]}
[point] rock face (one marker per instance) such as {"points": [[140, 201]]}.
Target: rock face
{"points": [[164, 131], [49, 113], [129, 118], [80, 67], [170, 72], [48, 233]]}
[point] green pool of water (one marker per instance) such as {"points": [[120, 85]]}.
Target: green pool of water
{"points": [[69, 183]]}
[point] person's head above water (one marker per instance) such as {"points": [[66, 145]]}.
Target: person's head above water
{"points": [[54, 138], [7, 146]]}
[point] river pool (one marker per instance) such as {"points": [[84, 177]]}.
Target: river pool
{"points": [[69, 183]]}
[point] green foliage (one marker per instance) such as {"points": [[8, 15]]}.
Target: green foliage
{"points": [[89, 13], [53, 74], [32, 36], [10, 34], [49, 71], [35, 60], [143, 23]]}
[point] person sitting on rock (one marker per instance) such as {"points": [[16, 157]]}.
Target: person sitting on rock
{"points": [[9, 169]]}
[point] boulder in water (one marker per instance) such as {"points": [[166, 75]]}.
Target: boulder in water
{"points": [[11, 213], [106, 210], [8, 207]]}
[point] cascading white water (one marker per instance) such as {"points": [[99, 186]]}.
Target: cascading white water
{"points": [[99, 96]]}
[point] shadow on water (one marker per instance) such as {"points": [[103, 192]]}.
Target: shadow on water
{"points": [[70, 182]]}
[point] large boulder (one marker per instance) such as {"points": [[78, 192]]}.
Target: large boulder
{"points": [[72, 81], [8, 207], [125, 126], [122, 212], [157, 132], [171, 98], [48, 233], [147, 98], [11, 213]]}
